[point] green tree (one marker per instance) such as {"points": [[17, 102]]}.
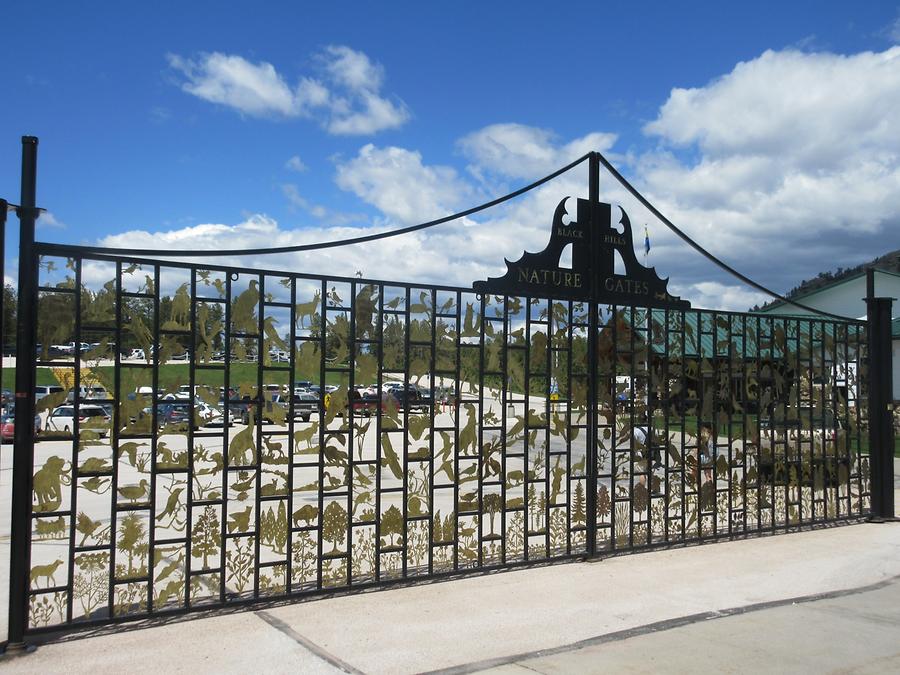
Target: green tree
{"points": [[9, 317]]}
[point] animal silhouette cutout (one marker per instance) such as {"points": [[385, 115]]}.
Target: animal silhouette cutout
{"points": [[47, 572]]}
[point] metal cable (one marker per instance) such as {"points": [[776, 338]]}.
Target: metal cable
{"points": [[324, 244], [706, 254]]}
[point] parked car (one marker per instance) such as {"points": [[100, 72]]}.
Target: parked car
{"points": [[8, 427], [305, 404], [88, 394], [412, 397], [43, 390], [92, 417]]}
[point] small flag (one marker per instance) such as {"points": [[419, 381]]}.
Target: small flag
{"points": [[646, 241]]}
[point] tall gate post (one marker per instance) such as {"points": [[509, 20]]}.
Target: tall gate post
{"points": [[881, 423], [593, 321], [23, 453]]}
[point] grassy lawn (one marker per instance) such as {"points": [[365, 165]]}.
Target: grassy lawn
{"points": [[171, 376]]}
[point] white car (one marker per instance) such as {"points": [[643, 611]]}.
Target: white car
{"points": [[88, 394], [90, 417], [42, 390]]}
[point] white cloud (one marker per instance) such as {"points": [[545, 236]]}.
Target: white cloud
{"points": [[521, 151], [346, 100], [717, 295], [295, 164], [812, 109], [352, 69], [253, 89], [893, 30], [47, 219], [794, 163], [395, 181], [786, 166], [377, 114], [322, 213]]}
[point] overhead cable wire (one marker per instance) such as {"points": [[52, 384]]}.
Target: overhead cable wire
{"points": [[706, 254], [325, 244]]}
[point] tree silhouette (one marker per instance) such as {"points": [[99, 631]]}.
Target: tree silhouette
{"points": [[131, 534], [603, 503], [492, 504], [437, 536], [392, 524], [640, 498], [334, 524], [578, 515], [280, 535], [205, 535], [532, 504], [91, 585]]}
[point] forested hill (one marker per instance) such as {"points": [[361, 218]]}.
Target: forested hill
{"points": [[889, 262]]}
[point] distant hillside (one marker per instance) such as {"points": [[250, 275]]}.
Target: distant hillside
{"points": [[889, 262]]}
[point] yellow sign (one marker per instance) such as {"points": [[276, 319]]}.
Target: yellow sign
{"points": [[554, 396], [327, 401]]}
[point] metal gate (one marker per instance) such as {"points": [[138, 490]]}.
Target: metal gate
{"points": [[225, 435]]}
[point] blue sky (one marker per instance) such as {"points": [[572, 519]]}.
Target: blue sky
{"points": [[186, 124]]}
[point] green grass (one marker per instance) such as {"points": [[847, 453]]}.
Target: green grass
{"points": [[172, 375]]}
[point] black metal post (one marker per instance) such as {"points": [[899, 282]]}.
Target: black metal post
{"points": [[881, 423], [593, 321], [23, 453], [4, 210]]}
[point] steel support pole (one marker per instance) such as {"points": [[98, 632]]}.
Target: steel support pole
{"points": [[23, 453], [881, 422]]}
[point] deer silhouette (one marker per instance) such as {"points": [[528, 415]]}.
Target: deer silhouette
{"points": [[46, 571]]}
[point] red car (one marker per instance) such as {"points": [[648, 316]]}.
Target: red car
{"points": [[8, 427]]}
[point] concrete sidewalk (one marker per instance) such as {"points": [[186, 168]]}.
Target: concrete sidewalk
{"points": [[634, 613]]}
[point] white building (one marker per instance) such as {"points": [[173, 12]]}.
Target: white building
{"points": [[847, 297]]}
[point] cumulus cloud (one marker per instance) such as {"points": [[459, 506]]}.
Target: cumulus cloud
{"points": [[396, 182], [345, 97], [521, 151], [787, 166], [253, 89]]}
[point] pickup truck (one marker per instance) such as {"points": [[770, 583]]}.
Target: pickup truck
{"points": [[275, 407]]}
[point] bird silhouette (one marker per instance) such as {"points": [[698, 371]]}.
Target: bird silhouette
{"points": [[243, 485], [129, 449], [240, 521], [86, 526], [362, 479], [243, 309], [172, 504], [97, 484], [134, 492]]}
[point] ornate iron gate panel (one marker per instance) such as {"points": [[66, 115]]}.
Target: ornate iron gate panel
{"points": [[716, 424], [183, 463], [221, 435]]}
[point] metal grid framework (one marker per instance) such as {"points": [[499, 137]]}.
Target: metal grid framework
{"points": [[531, 429]]}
